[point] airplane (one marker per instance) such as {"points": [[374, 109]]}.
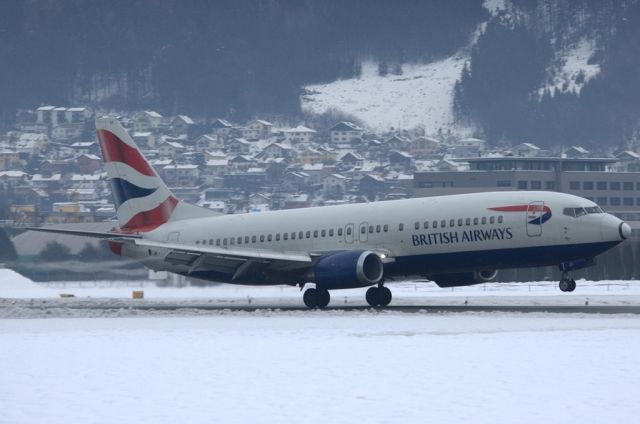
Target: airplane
{"points": [[453, 240]]}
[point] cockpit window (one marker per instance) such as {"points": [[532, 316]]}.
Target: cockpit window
{"points": [[578, 212]]}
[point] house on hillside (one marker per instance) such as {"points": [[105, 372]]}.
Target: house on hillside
{"points": [[181, 124], [170, 149], [299, 135], [423, 146], [144, 140], [576, 152], [221, 128], [88, 163], [238, 146], [351, 159], [257, 129], [147, 120], [345, 132], [526, 150]]}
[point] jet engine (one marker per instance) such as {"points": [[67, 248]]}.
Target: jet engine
{"points": [[348, 269], [464, 278]]}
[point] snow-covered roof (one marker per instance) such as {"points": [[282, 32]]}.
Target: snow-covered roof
{"points": [[42, 178], [628, 153], [85, 177], [13, 174], [186, 119], [262, 122], [217, 162], [46, 108], [153, 114], [345, 126], [299, 129], [142, 134], [89, 156]]}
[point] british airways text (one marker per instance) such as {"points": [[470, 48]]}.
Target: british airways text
{"points": [[467, 236]]}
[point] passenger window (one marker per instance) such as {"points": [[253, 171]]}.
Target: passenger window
{"points": [[377, 228], [452, 223], [475, 221], [467, 221], [269, 237], [217, 242], [285, 236], [293, 236], [308, 234], [401, 227], [323, 233], [580, 212], [484, 220], [417, 225], [262, 238], [492, 220], [426, 225], [459, 222], [500, 219], [370, 229], [277, 236], [197, 241], [435, 224], [246, 239], [224, 241], [330, 232], [443, 223], [253, 239], [210, 242], [348, 231], [315, 234], [363, 229], [232, 241], [300, 235], [385, 228], [339, 231], [239, 240]]}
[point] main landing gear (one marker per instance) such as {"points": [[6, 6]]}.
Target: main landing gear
{"points": [[566, 284], [378, 296], [316, 298]]}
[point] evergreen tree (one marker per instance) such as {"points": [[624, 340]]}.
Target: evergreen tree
{"points": [[54, 251], [7, 249]]}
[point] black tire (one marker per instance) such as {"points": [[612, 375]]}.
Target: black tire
{"points": [[323, 298], [310, 298], [564, 285], [373, 296], [385, 296], [572, 285]]}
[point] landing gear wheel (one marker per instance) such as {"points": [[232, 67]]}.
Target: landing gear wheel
{"points": [[322, 298], [567, 285], [310, 298], [373, 296], [384, 296]]}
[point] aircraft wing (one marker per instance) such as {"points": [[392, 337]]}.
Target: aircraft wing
{"points": [[83, 233], [235, 261]]}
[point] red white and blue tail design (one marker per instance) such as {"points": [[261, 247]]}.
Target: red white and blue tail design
{"points": [[143, 201]]}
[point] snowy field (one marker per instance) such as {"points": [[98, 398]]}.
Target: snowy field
{"points": [[344, 366]]}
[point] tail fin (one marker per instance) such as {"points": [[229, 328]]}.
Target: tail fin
{"points": [[143, 201]]}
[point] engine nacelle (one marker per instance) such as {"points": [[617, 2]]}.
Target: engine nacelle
{"points": [[347, 270], [464, 278]]}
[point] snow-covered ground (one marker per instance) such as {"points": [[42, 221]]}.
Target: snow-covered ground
{"points": [[315, 367], [419, 98], [337, 365]]}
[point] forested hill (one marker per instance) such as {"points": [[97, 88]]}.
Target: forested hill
{"points": [[556, 72], [551, 72], [231, 58]]}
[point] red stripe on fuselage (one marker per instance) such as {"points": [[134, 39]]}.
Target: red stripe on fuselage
{"points": [[522, 208], [116, 150], [151, 219]]}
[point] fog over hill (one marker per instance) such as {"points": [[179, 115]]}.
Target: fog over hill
{"points": [[550, 72]]}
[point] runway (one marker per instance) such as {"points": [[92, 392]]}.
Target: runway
{"points": [[107, 307]]}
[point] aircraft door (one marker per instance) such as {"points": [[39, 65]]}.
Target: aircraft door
{"points": [[534, 218], [362, 232], [348, 233]]}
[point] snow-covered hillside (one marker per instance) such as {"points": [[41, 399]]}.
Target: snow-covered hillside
{"points": [[420, 97], [572, 70]]}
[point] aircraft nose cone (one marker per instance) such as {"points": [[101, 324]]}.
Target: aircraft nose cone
{"points": [[625, 230]]}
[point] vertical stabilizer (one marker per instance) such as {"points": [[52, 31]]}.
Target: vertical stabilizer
{"points": [[143, 201]]}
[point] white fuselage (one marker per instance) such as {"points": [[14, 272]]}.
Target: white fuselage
{"points": [[423, 235]]}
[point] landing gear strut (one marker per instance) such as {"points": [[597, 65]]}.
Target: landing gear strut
{"points": [[316, 298], [567, 284], [378, 296]]}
